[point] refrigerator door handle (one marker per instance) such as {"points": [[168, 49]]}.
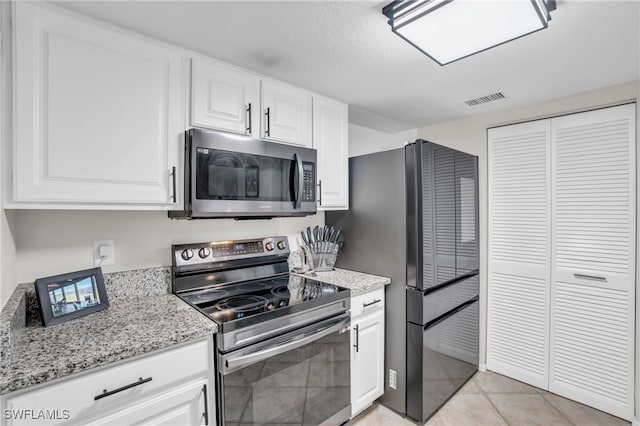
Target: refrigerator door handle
{"points": [[451, 312], [453, 281]]}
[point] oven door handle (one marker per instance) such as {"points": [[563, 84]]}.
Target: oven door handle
{"points": [[324, 329]]}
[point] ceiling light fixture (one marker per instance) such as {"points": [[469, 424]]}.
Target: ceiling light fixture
{"points": [[449, 30]]}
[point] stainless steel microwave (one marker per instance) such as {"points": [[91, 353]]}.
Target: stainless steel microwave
{"points": [[228, 175]]}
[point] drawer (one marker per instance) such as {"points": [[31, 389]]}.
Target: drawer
{"points": [[72, 400], [365, 303], [423, 309]]}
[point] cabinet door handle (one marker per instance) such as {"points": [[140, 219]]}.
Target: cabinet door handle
{"points": [[364, 305], [320, 190], [105, 393], [173, 178], [249, 118], [357, 345], [267, 114], [206, 405], [590, 277]]}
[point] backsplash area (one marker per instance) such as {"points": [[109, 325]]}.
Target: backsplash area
{"points": [[55, 242]]}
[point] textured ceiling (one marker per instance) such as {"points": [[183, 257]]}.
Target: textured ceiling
{"points": [[345, 50]]}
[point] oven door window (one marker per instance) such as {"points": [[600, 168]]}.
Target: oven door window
{"points": [[307, 385], [225, 175]]}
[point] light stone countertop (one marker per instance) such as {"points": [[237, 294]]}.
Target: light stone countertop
{"points": [[357, 282], [132, 325]]}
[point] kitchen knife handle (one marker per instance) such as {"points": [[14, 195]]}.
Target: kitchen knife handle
{"points": [[357, 345], [249, 119], [267, 115]]}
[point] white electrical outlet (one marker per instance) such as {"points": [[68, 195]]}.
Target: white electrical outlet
{"points": [[104, 252], [392, 379]]}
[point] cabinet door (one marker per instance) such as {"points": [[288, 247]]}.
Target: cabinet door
{"points": [[593, 273], [330, 138], [224, 98], [189, 404], [519, 246], [367, 361], [286, 113], [98, 112]]}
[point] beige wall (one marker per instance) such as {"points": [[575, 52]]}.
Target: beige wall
{"points": [[53, 242], [363, 140], [470, 135]]}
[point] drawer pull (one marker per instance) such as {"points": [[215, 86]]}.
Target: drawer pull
{"points": [[364, 305], [206, 406], [590, 277], [357, 345], [106, 393]]}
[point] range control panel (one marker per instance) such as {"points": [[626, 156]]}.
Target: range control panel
{"points": [[223, 251]]}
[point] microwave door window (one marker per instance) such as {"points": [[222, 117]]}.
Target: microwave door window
{"points": [[223, 175]]}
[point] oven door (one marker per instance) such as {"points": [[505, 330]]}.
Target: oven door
{"points": [[238, 176], [302, 377]]}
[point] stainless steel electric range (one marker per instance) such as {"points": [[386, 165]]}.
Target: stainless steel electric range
{"points": [[282, 342]]}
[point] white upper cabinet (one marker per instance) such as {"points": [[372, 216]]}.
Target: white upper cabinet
{"points": [[99, 113], [331, 139], [286, 113], [224, 98]]}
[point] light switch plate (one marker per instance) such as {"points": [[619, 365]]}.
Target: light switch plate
{"points": [[104, 252]]}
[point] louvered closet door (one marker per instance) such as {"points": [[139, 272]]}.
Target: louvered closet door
{"points": [[593, 261], [519, 233]]}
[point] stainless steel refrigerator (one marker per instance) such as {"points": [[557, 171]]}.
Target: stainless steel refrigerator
{"points": [[413, 216]]}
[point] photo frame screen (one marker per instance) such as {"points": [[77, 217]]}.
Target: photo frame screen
{"points": [[68, 296]]}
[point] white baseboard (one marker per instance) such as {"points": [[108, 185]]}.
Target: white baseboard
{"points": [[482, 367]]}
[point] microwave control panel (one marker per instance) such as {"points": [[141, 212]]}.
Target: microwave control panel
{"points": [[309, 188]]}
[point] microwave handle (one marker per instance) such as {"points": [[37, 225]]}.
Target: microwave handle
{"points": [[298, 199]]}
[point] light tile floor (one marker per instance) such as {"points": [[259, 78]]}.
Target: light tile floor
{"points": [[492, 399]]}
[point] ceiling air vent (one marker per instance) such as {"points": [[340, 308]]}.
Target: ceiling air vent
{"points": [[484, 99]]}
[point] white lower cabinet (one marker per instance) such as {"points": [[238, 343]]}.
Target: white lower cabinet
{"points": [[182, 405], [367, 349], [172, 387]]}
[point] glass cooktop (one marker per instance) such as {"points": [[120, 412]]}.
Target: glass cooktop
{"points": [[252, 298]]}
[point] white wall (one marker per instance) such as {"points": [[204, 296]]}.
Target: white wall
{"points": [[470, 135], [363, 140], [53, 242]]}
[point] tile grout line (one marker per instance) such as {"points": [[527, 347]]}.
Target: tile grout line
{"points": [[536, 393], [493, 405]]}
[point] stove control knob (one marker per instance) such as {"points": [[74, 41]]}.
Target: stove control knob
{"points": [[187, 254], [204, 252], [282, 245], [269, 246]]}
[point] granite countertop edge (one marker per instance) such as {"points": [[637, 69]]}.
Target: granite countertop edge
{"points": [[32, 354], [357, 282]]}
